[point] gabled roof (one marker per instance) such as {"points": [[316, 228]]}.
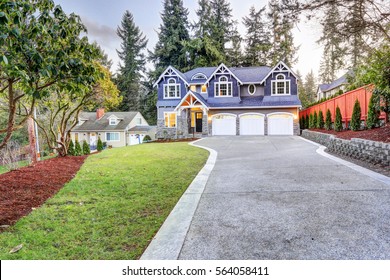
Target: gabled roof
{"points": [[102, 124], [191, 98], [171, 72], [251, 75], [343, 80], [281, 65], [223, 66]]}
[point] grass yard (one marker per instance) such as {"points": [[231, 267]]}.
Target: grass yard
{"points": [[111, 209]]}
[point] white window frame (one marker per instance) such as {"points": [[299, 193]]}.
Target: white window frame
{"points": [[167, 88], [117, 133], [252, 93], [199, 76], [228, 84], [286, 82], [113, 121], [170, 113]]}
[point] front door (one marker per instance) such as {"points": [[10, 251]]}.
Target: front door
{"points": [[199, 121]]}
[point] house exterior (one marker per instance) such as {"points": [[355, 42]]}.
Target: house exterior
{"points": [[328, 90], [117, 129], [219, 100]]}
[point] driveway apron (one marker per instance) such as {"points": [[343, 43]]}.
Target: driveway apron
{"points": [[276, 198]]}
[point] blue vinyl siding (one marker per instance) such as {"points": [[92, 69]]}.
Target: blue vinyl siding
{"points": [[160, 91], [293, 83]]}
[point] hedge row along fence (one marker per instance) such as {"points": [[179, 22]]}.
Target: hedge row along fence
{"points": [[345, 102]]}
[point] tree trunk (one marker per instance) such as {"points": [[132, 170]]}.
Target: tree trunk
{"points": [[32, 140]]}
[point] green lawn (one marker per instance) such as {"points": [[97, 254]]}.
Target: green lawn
{"points": [[112, 208]]}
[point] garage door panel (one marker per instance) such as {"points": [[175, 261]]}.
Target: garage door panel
{"points": [[224, 126], [281, 124], [252, 125]]}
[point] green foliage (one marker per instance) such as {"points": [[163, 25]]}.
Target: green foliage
{"points": [[86, 148], [328, 120], [373, 111], [147, 138], [71, 149], [356, 115], [77, 150], [338, 123], [308, 90], [315, 120], [302, 123], [93, 210], [311, 121], [307, 122], [99, 145], [320, 120]]}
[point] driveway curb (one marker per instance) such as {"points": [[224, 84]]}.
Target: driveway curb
{"points": [[365, 171], [168, 242]]}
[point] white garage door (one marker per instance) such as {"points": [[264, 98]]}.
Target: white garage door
{"points": [[280, 124], [251, 124], [224, 125], [135, 139]]}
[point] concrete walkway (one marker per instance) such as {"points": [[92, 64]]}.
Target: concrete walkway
{"points": [[277, 198]]}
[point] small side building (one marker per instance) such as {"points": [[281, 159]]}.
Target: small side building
{"points": [[117, 129]]}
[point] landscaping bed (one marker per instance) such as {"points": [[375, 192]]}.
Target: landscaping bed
{"points": [[381, 134], [29, 187]]}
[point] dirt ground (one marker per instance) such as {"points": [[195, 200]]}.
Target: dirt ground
{"points": [[29, 187]]}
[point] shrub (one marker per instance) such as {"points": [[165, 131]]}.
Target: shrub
{"points": [[356, 115], [320, 120], [147, 138], [373, 112], [328, 120], [311, 123], [338, 122], [315, 120], [77, 149], [86, 149], [307, 121], [99, 145], [71, 150]]}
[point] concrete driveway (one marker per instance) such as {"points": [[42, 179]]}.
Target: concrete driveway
{"points": [[276, 198]]}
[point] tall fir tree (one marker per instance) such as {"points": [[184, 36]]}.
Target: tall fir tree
{"points": [[310, 88], [132, 62], [234, 55], [302, 91], [170, 48], [334, 50], [203, 27], [257, 39], [282, 42]]}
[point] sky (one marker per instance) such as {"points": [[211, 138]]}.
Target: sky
{"points": [[102, 18]]}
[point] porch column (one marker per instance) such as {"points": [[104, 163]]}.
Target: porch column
{"points": [[205, 123]]}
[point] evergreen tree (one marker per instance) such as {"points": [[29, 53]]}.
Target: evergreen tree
{"points": [[71, 148], [373, 112], [301, 91], [307, 122], [320, 120], [356, 115], [103, 60], [203, 26], [310, 89], [234, 55], [257, 38], [282, 43], [315, 120], [99, 147], [338, 122], [334, 52], [77, 150], [132, 62], [311, 121], [302, 122], [328, 120], [86, 148], [170, 49]]}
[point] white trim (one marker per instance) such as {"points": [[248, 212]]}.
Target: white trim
{"points": [[177, 89], [229, 114], [257, 107], [170, 112], [228, 70], [119, 136], [276, 66], [245, 114], [191, 105], [170, 71], [254, 89], [280, 113], [227, 83], [284, 81], [200, 74]]}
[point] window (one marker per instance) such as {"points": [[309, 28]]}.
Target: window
{"points": [[281, 86], [251, 89], [170, 119], [223, 87], [139, 121], [171, 89], [199, 76], [193, 88], [112, 136], [204, 89], [112, 121]]}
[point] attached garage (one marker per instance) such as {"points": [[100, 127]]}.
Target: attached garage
{"points": [[252, 124], [280, 124], [224, 124]]}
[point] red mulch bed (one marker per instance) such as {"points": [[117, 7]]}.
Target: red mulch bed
{"points": [[381, 134], [29, 187]]}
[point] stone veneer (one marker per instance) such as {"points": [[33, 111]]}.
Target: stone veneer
{"points": [[366, 150]]}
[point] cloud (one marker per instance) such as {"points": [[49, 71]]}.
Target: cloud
{"points": [[103, 34]]}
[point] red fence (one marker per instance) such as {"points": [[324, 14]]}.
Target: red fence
{"points": [[345, 102]]}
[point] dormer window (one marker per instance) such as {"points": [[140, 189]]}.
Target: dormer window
{"points": [[171, 89], [223, 88], [280, 86], [112, 120], [199, 76]]}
